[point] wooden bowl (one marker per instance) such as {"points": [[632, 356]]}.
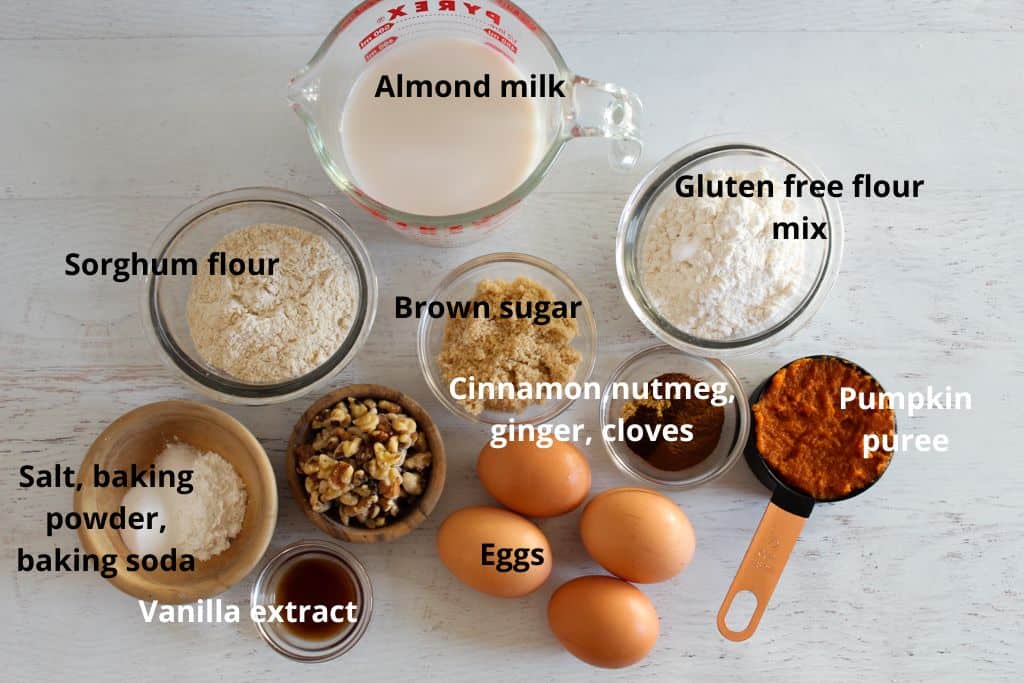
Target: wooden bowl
{"points": [[137, 437], [413, 517]]}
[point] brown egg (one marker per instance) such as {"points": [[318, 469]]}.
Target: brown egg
{"points": [[534, 481], [637, 534], [494, 551], [603, 621]]}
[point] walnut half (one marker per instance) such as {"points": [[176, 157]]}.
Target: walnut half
{"points": [[367, 459]]}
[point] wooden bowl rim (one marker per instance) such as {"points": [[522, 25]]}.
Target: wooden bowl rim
{"points": [[141, 585], [424, 506]]}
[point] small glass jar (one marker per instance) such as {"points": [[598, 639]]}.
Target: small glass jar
{"points": [[290, 645]]}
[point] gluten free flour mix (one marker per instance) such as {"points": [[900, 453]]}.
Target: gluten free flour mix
{"points": [[272, 328], [712, 267]]}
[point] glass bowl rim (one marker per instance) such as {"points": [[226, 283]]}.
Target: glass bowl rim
{"points": [[647, 192], [583, 373], [742, 419], [359, 574], [237, 391]]}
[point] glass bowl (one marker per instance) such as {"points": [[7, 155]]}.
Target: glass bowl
{"points": [[657, 360], [193, 233], [460, 285], [821, 257], [264, 592]]}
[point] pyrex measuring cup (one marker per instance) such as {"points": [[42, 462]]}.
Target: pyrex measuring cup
{"points": [[778, 530], [319, 90]]}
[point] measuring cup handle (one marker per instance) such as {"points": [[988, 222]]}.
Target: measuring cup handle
{"points": [[619, 114], [762, 566]]}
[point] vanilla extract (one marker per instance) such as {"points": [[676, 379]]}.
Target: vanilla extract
{"points": [[311, 586]]}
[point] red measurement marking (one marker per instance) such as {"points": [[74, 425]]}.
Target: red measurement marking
{"points": [[377, 33], [380, 46], [502, 39]]}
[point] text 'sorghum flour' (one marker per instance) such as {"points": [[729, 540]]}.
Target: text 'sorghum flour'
{"points": [[711, 266]]}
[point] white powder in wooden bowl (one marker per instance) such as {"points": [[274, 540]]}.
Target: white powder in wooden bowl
{"points": [[217, 507], [712, 267], [201, 522], [272, 328]]}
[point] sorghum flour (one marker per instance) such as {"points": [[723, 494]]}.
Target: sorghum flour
{"points": [[271, 328]]}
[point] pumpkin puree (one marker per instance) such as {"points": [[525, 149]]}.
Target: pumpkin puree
{"points": [[808, 440]]}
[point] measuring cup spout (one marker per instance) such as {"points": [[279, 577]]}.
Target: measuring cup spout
{"points": [[303, 92]]}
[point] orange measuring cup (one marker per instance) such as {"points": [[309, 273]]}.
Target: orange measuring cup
{"points": [[778, 530]]}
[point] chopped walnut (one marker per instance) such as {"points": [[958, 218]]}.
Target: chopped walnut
{"points": [[412, 483], [367, 459]]}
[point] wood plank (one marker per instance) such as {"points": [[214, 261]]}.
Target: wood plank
{"points": [[22, 19]]}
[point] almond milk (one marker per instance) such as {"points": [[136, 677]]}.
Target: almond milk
{"points": [[439, 156]]}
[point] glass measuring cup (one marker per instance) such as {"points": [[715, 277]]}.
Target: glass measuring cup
{"points": [[779, 528], [591, 108]]}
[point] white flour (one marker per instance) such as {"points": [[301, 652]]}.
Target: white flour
{"points": [[271, 328], [711, 266]]}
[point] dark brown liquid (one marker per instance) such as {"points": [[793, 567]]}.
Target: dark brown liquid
{"points": [[316, 581]]}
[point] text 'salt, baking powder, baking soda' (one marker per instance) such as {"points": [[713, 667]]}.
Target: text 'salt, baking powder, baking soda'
{"points": [[711, 266], [272, 328]]}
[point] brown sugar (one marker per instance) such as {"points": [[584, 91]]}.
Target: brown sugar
{"points": [[806, 437], [508, 349]]}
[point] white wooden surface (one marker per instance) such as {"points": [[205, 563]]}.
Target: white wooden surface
{"points": [[118, 113]]}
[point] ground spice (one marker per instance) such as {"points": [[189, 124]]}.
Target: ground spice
{"points": [[671, 456], [805, 437]]}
